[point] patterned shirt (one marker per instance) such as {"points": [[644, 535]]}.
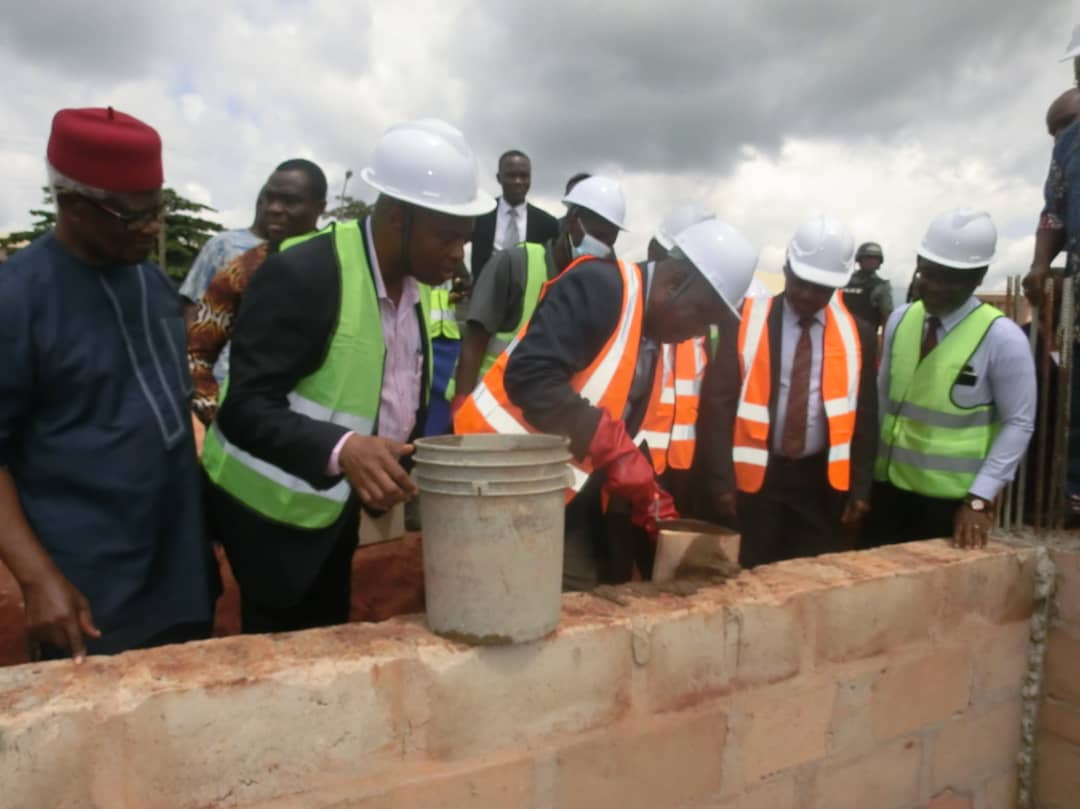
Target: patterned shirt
{"points": [[1062, 193], [211, 328], [215, 254]]}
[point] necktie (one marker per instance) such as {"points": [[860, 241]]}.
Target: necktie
{"points": [[511, 235], [793, 441], [930, 338]]}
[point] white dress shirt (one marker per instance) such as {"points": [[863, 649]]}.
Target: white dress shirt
{"points": [[1004, 374], [817, 433], [502, 219]]}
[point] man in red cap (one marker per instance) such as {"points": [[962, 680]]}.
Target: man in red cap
{"points": [[100, 511]]}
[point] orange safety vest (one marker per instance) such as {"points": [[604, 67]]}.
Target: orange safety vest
{"points": [[670, 423], [605, 383], [840, 367]]}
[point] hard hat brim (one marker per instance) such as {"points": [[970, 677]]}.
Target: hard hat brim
{"points": [[952, 263], [483, 202], [1072, 54], [817, 276], [664, 242]]}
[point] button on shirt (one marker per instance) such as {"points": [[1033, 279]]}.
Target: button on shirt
{"points": [[1004, 376], [502, 220], [817, 438]]}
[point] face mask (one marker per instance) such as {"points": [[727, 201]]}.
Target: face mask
{"points": [[590, 245]]}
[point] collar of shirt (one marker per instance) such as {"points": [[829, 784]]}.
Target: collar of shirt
{"points": [[505, 208], [410, 291], [791, 319], [950, 321]]}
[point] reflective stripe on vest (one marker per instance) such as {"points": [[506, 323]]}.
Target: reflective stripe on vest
{"points": [[330, 394], [928, 444], [605, 383], [535, 278], [670, 423], [839, 391], [440, 315]]}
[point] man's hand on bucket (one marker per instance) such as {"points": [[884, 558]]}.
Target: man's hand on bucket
{"points": [[371, 465]]}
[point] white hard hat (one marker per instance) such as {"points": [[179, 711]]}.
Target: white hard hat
{"points": [[601, 195], [962, 239], [679, 220], [1074, 46], [722, 255], [429, 164], [822, 251]]}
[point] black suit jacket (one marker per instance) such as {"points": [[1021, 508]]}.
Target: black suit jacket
{"points": [[720, 400], [539, 227], [282, 334]]}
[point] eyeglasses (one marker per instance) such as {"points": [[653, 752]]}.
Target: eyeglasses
{"points": [[131, 220]]}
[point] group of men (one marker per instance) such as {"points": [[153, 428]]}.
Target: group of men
{"points": [[773, 406]]}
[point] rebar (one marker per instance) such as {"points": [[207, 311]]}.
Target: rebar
{"points": [[1046, 314]]}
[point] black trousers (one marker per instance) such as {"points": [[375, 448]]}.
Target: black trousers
{"points": [[795, 513], [897, 516], [326, 602]]}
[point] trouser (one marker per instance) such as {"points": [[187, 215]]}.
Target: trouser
{"points": [[180, 633], [795, 513], [602, 547], [1073, 468], [897, 515], [326, 602]]}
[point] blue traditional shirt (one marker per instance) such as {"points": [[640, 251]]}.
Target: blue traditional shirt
{"points": [[95, 431]]}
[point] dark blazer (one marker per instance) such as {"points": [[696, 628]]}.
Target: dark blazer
{"points": [[720, 399], [282, 333], [539, 227]]}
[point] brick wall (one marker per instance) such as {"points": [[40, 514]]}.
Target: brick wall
{"points": [[1058, 762], [884, 680]]}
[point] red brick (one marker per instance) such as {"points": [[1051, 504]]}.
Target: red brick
{"points": [[506, 784], [873, 616], [665, 762], [911, 694], [692, 659], [1062, 665], [950, 800], [780, 794], [1058, 773], [1061, 719], [1067, 596], [788, 726], [884, 778], [975, 745], [1001, 663]]}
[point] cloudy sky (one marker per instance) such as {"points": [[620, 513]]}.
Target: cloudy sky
{"points": [[881, 113]]}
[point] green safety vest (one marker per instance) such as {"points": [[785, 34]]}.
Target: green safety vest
{"points": [[535, 278], [929, 445], [441, 317], [341, 392]]}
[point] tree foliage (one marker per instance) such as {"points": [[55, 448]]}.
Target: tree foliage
{"points": [[186, 231], [348, 208]]}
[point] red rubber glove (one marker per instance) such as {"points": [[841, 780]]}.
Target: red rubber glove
{"points": [[457, 402], [648, 516], [629, 474]]}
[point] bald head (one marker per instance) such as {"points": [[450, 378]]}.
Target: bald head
{"points": [[1063, 111]]}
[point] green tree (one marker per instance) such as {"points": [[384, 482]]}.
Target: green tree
{"points": [[44, 218], [348, 208], [186, 231]]}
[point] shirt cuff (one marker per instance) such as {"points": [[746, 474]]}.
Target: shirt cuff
{"points": [[333, 466], [985, 487]]}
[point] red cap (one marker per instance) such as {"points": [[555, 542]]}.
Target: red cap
{"points": [[106, 149]]}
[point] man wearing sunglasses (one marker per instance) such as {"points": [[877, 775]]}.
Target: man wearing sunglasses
{"points": [[100, 511]]}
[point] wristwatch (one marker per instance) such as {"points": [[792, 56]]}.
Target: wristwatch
{"points": [[977, 504]]}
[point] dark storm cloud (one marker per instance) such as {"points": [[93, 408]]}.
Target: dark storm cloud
{"points": [[679, 86]]}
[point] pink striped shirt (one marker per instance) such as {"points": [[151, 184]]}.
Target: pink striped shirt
{"points": [[404, 367]]}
